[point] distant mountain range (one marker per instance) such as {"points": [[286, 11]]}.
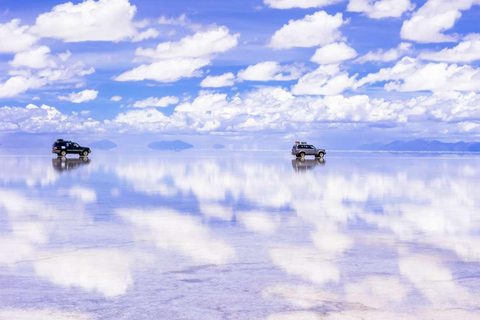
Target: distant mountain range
{"points": [[424, 145], [176, 145], [218, 146], [103, 145]]}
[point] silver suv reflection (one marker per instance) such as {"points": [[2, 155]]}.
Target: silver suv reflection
{"points": [[302, 149]]}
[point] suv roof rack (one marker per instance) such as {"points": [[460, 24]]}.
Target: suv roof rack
{"points": [[59, 140]]}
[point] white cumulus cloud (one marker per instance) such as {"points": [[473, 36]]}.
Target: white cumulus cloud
{"points": [[150, 33], [18, 84], [116, 98], [313, 30], [172, 61], [182, 21], [156, 102], [271, 70], [90, 20], [224, 80], [15, 38], [380, 8], [428, 24], [43, 119], [267, 109], [333, 53], [326, 80], [37, 68], [201, 44], [170, 70], [410, 74], [79, 97], [304, 4], [386, 55], [37, 58], [466, 51]]}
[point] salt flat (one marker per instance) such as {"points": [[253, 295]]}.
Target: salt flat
{"points": [[231, 235]]}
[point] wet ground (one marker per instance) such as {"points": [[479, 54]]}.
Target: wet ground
{"points": [[240, 236]]}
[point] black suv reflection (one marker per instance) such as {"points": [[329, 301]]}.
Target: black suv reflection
{"points": [[303, 164], [64, 164], [62, 148]]}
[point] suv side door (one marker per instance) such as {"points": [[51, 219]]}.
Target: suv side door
{"points": [[310, 150], [74, 148], [301, 148]]}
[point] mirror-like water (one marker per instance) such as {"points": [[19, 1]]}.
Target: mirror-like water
{"points": [[231, 236]]}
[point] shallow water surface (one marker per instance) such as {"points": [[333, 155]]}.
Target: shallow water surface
{"points": [[236, 236]]}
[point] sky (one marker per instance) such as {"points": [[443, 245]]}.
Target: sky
{"points": [[338, 70]]}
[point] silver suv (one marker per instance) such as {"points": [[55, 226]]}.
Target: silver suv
{"points": [[302, 149]]}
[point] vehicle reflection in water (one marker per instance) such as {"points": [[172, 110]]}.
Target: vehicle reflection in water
{"points": [[378, 239], [65, 164], [302, 164]]}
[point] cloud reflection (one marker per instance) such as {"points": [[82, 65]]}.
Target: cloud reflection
{"points": [[171, 231], [380, 239]]}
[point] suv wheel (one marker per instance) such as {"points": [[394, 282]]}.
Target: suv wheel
{"points": [[85, 153], [63, 153], [302, 154], [321, 154]]}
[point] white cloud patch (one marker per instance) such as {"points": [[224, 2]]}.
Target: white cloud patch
{"points": [[428, 24], [386, 55], [37, 68], [313, 30], [183, 59], [410, 75], [224, 80], [326, 80], [170, 70], [18, 84], [182, 21], [80, 97], [268, 109], [116, 98], [271, 70], [466, 51], [156, 102], [333, 53], [90, 20], [304, 4], [37, 58], [15, 38], [380, 8], [201, 44], [150, 33], [43, 119]]}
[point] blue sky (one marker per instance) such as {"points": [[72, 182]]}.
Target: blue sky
{"points": [[374, 70]]}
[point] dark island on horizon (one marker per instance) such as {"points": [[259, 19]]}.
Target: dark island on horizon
{"points": [[103, 145], [424, 145], [176, 145]]}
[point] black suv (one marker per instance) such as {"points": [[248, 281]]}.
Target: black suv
{"points": [[62, 148]]}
